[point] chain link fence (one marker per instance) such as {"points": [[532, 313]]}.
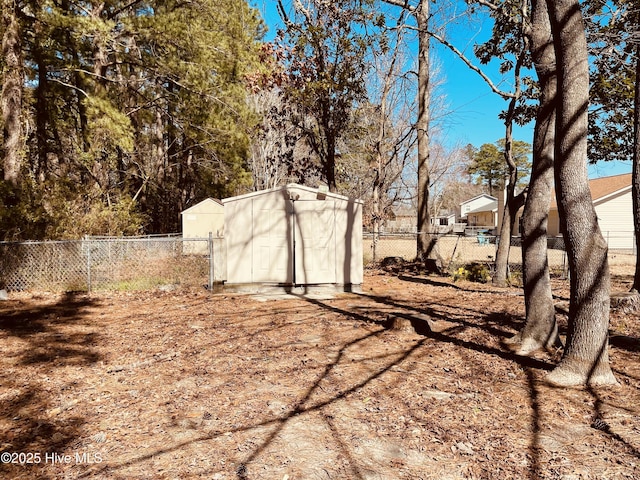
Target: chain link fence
{"points": [[453, 251], [102, 263]]}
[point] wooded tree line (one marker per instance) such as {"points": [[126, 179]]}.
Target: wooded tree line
{"points": [[116, 115]]}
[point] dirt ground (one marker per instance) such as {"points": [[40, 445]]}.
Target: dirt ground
{"points": [[192, 385]]}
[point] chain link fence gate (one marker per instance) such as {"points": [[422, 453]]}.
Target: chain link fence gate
{"points": [[104, 263]]}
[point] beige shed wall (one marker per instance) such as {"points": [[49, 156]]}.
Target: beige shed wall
{"points": [[259, 234], [199, 225], [349, 254], [197, 221]]}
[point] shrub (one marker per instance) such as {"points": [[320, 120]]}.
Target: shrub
{"points": [[473, 272]]}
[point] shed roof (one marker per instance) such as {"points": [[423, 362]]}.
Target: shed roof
{"points": [[295, 186], [602, 187]]}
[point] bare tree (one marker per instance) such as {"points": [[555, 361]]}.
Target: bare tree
{"points": [[273, 145], [393, 131], [636, 158], [327, 67], [421, 12]]}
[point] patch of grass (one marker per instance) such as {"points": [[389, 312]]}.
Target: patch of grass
{"points": [[136, 284]]}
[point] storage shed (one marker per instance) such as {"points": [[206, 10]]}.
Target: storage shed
{"points": [[200, 220], [292, 236]]}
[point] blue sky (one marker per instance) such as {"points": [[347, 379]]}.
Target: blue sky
{"points": [[474, 107]]}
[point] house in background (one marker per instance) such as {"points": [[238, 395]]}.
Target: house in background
{"points": [[443, 223], [479, 213], [479, 202], [402, 219], [613, 202]]}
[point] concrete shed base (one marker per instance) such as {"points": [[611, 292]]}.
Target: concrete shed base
{"points": [[275, 289]]}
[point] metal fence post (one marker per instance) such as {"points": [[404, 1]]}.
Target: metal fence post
{"points": [[88, 246], [211, 272]]}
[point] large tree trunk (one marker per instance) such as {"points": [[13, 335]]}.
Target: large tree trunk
{"points": [[330, 163], [636, 165], [12, 92], [424, 240], [586, 356], [540, 329]]}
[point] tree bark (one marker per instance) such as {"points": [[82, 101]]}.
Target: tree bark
{"points": [[540, 329], [12, 92], [424, 239], [509, 212], [586, 356], [635, 185]]}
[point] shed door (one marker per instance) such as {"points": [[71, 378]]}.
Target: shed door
{"points": [[315, 242], [271, 243]]}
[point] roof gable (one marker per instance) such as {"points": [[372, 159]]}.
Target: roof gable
{"points": [[292, 187], [490, 207], [477, 197], [207, 203]]}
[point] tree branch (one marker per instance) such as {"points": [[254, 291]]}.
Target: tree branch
{"points": [[476, 69], [402, 4]]}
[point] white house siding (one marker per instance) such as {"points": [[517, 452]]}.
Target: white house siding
{"points": [[615, 217], [477, 203]]}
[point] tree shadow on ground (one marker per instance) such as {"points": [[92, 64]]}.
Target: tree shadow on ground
{"points": [[31, 421], [315, 398]]}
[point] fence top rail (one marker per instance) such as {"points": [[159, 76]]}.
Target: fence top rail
{"points": [[408, 234], [106, 240], [116, 237]]}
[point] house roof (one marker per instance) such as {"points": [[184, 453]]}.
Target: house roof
{"points": [[602, 187], [490, 207], [490, 197]]}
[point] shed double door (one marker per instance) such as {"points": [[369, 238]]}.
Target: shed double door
{"points": [[315, 242], [307, 225]]}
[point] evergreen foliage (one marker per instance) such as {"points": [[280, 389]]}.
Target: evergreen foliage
{"points": [[612, 34], [136, 111], [488, 164]]}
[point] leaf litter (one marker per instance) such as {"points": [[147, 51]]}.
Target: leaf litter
{"points": [[410, 379]]}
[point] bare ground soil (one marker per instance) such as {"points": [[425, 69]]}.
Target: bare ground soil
{"points": [[190, 385]]}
